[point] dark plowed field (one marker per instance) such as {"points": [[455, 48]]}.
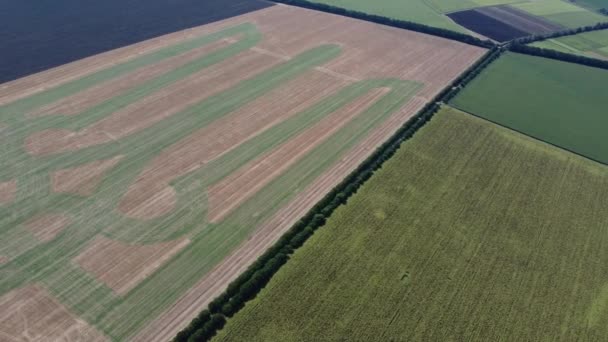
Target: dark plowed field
{"points": [[502, 23], [38, 35]]}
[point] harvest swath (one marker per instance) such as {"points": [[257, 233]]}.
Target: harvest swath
{"points": [[137, 183], [470, 232]]}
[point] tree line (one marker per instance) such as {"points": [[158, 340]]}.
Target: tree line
{"points": [[402, 24], [255, 278], [557, 34], [560, 56]]}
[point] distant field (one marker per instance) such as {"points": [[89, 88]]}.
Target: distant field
{"points": [[419, 11], [561, 12], [45, 34], [497, 19], [557, 102], [591, 44], [138, 183], [471, 232], [593, 4]]}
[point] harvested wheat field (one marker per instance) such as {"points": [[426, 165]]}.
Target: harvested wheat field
{"points": [[138, 183]]}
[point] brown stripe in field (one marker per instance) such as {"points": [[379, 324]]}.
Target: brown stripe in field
{"points": [[46, 227], [83, 179], [154, 108], [235, 189], [122, 266], [151, 196], [32, 314], [81, 101], [368, 51], [7, 191]]}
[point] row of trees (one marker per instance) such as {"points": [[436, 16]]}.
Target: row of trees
{"points": [[408, 25], [553, 54], [255, 278], [557, 34]]}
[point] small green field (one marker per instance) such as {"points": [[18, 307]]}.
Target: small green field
{"points": [[471, 232], [419, 11], [591, 44], [561, 12], [557, 102]]}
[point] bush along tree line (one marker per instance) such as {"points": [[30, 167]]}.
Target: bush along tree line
{"points": [[255, 278], [408, 25], [560, 56], [557, 34]]}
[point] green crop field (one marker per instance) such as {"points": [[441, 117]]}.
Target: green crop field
{"points": [[416, 11], [471, 232], [591, 44], [557, 102]]}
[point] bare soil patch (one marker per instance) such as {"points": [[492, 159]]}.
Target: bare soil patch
{"points": [[503, 23], [46, 227], [122, 266], [32, 314], [7, 191], [84, 179], [235, 189], [151, 196]]}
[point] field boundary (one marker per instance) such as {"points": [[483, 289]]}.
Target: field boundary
{"points": [[402, 24], [521, 45], [255, 278], [559, 56], [528, 135]]}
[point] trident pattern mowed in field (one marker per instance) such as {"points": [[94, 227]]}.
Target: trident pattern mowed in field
{"points": [[136, 184]]}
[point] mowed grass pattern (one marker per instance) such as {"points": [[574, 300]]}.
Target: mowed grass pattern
{"points": [[557, 102], [471, 232]]}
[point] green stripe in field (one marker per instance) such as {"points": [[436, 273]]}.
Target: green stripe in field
{"points": [[25, 105], [21, 127], [48, 263], [211, 246]]}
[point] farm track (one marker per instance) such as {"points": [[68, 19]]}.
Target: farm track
{"points": [[150, 174]]}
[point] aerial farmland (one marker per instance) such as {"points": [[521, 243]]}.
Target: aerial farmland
{"points": [[140, 181], [470, 232], [295, 170]]}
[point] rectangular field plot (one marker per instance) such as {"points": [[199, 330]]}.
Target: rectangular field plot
{"points": [[591, 44], [503, 23], [560, 103], [136, 184], [471, 232]]}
